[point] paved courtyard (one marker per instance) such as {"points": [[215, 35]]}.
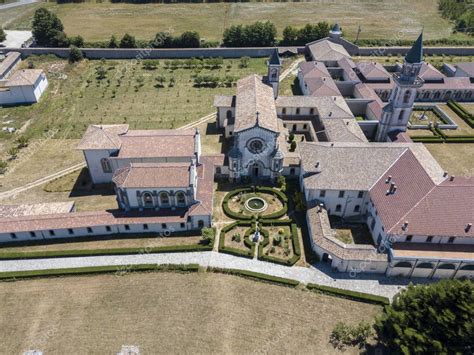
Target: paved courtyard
{"points": [[374, 284]]}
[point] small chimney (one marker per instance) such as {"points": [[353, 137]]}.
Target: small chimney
{"points": [[317, 164], [445, 174], [451, 178], [330, 113], [394, 189], [405, 226], [468, 227], [389, 178], [347, 123]]}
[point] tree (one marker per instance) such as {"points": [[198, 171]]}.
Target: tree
{"points": [[112, 42], [290, 35], [436, 318], [101, 72], [128, 41], [77, 41], [13, 152], [3, 35], [22, 142], [292, 146], [346, 335], [47, 28], [162, 40], [3, 167], [189, 39], [259, 34], [75, 54]]}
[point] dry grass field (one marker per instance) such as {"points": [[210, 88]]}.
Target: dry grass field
{"points": [[401, 19], [456, 158], [169, 313]]}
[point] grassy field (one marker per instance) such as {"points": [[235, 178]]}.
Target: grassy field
{"points": [[128, 94], [169, 313], [99, 21]]}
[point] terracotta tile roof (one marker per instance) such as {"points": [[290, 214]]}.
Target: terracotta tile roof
{"points": [[159, 143], [445, 210], [153, 175], [89, 219], [35, 209], [373, 70], [102, 137], [365, 91], [343, 130], [205, 191], [326, 50], [467, 67], [450, 83], [412, 182], [254, 96], [224, 101], [429, 72], [344, 166], [323, 236], [24, 77], [436, 251], [399, 137], [8, 63], [313, 70], [326, 106], [322, 87]]}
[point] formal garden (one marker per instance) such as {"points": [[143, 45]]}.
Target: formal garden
{"points": [[261, 226]]}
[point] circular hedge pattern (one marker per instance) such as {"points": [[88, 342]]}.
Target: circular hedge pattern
{"points": [[240, 216]]}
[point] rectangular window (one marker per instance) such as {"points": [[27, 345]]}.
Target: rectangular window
{"points": [[108, 229], [409, 238], [70, 231], [89, 230], [127, 227], [338, 208], [357, 208], [145, 227], [32, 234], [51, 232], [372, 224], [341, 194], [13, 235], [361, 194], [163, 225], [322, 193], [451, 239], [182, 225], [429, 239]]}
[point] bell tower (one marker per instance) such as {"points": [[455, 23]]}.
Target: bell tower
{"points": [[397, 112], [274, 67]]}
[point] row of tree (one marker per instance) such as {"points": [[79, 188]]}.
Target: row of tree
{"points": [[49, 32], [461, 12]]}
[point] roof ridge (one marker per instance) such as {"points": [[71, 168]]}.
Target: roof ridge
{"points": [[391, 165]]}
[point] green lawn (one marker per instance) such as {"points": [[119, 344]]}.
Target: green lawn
{"points": [[98, 21], [76, 98]]}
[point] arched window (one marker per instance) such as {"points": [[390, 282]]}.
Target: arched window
{"points": [[283, 111], [229, 114], [181, 198], [447, 95], [426, 95], [436, 95], [406, 97], [201, 223], [425, 266], [458, 94], [447, 267], [311, 111], [106, 167], [147, 199], [298, 111], [468, 94], [164, 199], [292, 171], [356, 208]]}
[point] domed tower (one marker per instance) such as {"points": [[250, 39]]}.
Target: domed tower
{"points": [[235, 163], [274, 68], [400, 106], [336, 31]]}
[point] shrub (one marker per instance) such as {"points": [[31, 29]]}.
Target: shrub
{"points": [[13, 152], [77, 41], [277, 240], [291, 137], [22, 142], [3, 167], [3, 35], [150, 64], [345, 335], [244, 62], [281, 181], [128, 41], [75, 54], [112, 42], [352, 295], [292, 146]]}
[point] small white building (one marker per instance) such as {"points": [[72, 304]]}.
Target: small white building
{"points": [[23, 87]]}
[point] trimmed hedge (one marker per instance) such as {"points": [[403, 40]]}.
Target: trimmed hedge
{"points": [[294, 241], [257, 276], [239, 216], [233, 251], [101, 252], [352, 295], [465, 115], [98, 270]]}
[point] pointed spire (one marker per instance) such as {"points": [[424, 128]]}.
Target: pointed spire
{"points": [[275, 58], [415, 55]]}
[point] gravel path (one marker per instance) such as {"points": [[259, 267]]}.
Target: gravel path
{"points": [[374, 284]]}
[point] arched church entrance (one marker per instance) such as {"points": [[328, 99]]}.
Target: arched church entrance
{"points": [[256, 169]]}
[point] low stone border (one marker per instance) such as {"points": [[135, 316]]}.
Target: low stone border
{"points": [[449, 123]]}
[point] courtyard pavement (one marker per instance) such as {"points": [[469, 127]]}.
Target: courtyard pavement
{"points": [[320, 274]]}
